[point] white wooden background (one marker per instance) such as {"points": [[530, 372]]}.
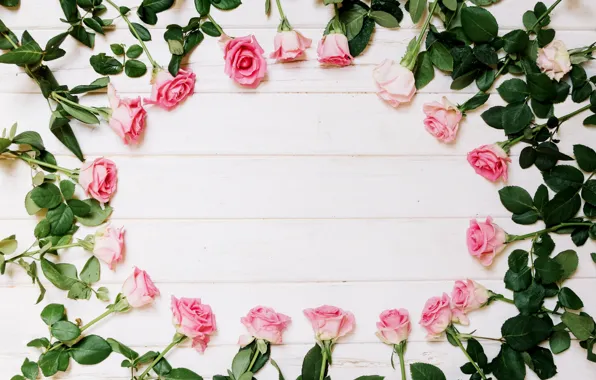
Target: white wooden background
{"points": [[308, 190]]}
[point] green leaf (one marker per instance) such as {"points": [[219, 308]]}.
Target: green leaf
{"points": [[516, 199], [424, 71], [226, 5], [94, 25], [182, 374], [562, 177], [65, 331], [29, 138], [60, 127], [542, 362], [134, 51], [47, 195], [590, 120], [562, 207], [202, 6], [360, 41], [569, 261], [80, 114], [96, 216], [549, 270], [581, 326], [494, 117], [518, 260], [416, 9], [53, 313], [67, 188], [61, 219], [530, 300], [384, 19], [134, 68], [142, 32], [543, 246], [524, 332], [541, 87], [97, 84], [516, 117], [29, 53], [79, 208], [79, 33], [209, 28], [424, 371], [91, 271], [515, 41], [560, 341], [53, 361], [276, 366], [479, 24], [39, 343], [589, 192], [71, 12], [42, 229], [486, 54], [509, 364], [117, 49], [313, 361], [122, 349], [518, 281], [529, 20], [513, 90], [474, 102], [586, 157], [485, 81], [545, 37], [90, 350], [569, 299], [352, 16], [55, 276], [441, 57], [241, 362]]}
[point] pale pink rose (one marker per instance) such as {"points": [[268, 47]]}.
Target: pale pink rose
{"points": [[264, 323], [109, 244], [394, 326], [330, 322], [554, 60], [138, 289], [442, 120], [168, 91], [193, 319], [289, 45], [128, 116], [467, 296], [334, 50], [436, 316], [395, 83], [485, 240], [245, 62], [490, 161], [99, 178]]}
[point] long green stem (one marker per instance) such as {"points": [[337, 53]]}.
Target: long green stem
{"points": [[161, 355], [513, 238], [470, 336], [135, 33], [461, 346], [86, 326], [26, 158], [254, 359], [502, 298], [32, 253], [281, 11], [399, 348], [62, 99], [549, 10], [323, 365], [219, 29], [409, 60]]}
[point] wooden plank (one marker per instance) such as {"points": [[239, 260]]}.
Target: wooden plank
{"points": [[254, 251]]}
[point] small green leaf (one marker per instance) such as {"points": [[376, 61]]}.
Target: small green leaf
{"points": [[424, 371], [91, 271], [479, 24], [90, 350], [581, 326], [65, 331], [46, 195], [53, 313], [134, 51], [569, 299], [134, 68]]}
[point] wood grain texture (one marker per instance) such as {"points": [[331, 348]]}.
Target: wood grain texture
{"points": [[307, 190]]}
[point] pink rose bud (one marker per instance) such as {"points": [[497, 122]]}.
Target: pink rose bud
{"points": [[109, 244], [330, 322], [99, 178], [436, 316], [395, 83], [467, 296], [138, 289], [554, 60], [168, 91], [485, 240], [490, 161], [289, 45], [334, 50], [394, 326], [245, 62], [193, 319], [264, 323], [442, 120], [128, 117]]}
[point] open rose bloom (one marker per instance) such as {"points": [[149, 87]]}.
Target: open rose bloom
{"points": [[490, 161], [436, 316], [395, 83], [168, 91], [467, 296], [138, 289], [99, 179], [264, 323], [334, 50], [394, 326], [128, 116], [109, 244], [245, 63], [485, 240], [554, 60], [289, 45], [330, 322], [442, 120], [193, 319]]}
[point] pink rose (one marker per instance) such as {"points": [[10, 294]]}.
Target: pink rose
{"points": [[168, 91], [334, 50], [99, 178], [490, 161], [442, 120], [394, 326], [467, 296], [395, 83], [194, 320], [485, 240], [554, 60], [128, 116], [289, 45], [436, 316], [109, 244], [138, 289], [245, 62], [330, 322], [264, 323]]}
